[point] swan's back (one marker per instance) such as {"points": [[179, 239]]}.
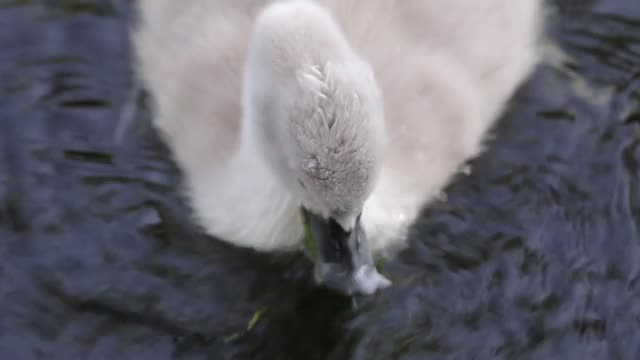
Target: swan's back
{"points": [[445, 68]]}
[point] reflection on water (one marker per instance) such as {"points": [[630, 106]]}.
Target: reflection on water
{"points": [[533, 255]]}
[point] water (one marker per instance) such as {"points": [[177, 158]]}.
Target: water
{"points": [[535, 255]]}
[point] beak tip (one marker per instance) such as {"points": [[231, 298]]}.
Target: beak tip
{"points": [[364, 281], [368, 280]]}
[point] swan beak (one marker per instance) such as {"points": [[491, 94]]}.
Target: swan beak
{"points": [[344, 262]]}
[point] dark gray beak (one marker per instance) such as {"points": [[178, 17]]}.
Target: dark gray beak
{"points": [[344, 262]]}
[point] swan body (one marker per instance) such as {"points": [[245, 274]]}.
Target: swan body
{"points": [[357, 111]]}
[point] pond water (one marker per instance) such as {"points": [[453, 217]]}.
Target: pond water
{"points": [[535, 255]]}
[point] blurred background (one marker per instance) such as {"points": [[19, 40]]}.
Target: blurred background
{"points": [[536, 255]]}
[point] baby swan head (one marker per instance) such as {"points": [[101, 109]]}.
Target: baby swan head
{"points": [[314, 111]]}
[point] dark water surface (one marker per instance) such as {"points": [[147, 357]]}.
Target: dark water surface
{"points": [[536, 255]]}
